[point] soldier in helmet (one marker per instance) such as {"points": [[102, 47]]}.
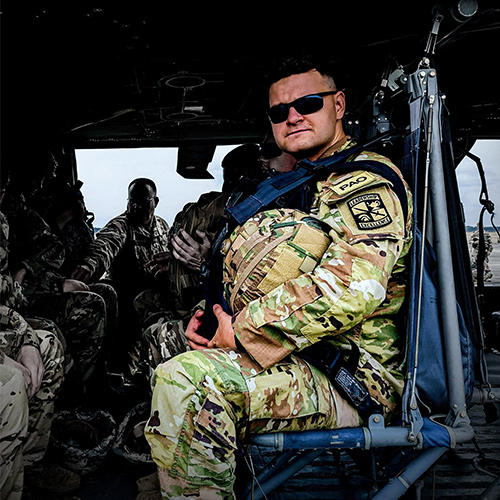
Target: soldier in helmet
{"points": [[192, 235]]}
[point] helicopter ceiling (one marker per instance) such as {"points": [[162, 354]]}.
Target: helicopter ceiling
{"points": [[97, 74]]}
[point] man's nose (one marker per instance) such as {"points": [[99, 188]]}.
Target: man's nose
{"points": [[294, 116]]}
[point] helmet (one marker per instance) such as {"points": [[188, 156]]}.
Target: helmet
{"points": [[130, 441], [81, 440]]}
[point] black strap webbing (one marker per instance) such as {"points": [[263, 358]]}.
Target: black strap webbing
{"points": [[307, 171]]}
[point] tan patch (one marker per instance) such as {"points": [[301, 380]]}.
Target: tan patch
{"points": [[353, 183]]}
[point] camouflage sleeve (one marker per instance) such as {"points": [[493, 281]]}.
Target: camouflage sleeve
{"points": [[11, 292], [15, 333], [367, 232], [46, 251], [107, 244], [35, 248]]}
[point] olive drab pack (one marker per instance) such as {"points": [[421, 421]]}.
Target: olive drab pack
{"points": [[271, 247]]}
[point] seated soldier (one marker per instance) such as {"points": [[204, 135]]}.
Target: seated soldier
{"points": [[35, 257], [34, 349], [121, 249], [39, 357], [250, 378], [192, 234], [65, 212]]}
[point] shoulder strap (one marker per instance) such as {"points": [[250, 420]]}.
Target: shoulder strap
{"points": [[276, 187]]}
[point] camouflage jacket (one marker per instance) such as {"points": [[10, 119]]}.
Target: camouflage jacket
{"points": [[11, 292], [122, 250], [203, 215], [14, 331], [33, 246], [357, 289]]}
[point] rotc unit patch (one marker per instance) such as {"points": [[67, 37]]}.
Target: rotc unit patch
{"points": [[369, 211]]}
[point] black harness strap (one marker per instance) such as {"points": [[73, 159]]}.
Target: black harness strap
{"points": [[341, 373], [284, 185]]}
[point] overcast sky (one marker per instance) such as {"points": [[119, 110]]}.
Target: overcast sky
{"points": [[107, 173]]}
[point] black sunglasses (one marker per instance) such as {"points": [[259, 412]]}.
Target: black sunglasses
{"points": [[303, 105]]}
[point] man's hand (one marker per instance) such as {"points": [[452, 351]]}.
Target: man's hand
{"points": [[70, 285], [196, 341], [188, 251], [224, 336], [29, 362], [158, 264], [82, 273], [19, 275]]}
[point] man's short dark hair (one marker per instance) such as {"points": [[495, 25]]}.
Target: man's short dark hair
{"points": [[144, 182], [297, 64]]}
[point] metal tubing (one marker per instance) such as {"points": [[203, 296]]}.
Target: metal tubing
{"points": [[398, 486], [357, 438], [444, 262], [261, 490], [269, 470], [482, 395], [276, 464], [492, 492]]}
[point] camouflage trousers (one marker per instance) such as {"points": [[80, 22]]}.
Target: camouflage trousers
{"points": [[205, 402], [32, 439], [13, 430], [41, 405], [164, 340], [82, 319]]}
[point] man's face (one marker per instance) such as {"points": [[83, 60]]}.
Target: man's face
{"points": [[308, 135], [141, 204]]}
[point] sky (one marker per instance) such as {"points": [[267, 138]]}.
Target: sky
{"points": [[469, 182], [107, 173]]}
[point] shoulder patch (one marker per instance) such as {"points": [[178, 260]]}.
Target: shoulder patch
{"points": [[369, 211], [353, 183]]}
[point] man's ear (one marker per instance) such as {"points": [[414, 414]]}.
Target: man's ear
{"points": [[340, 104], [157, 200]]}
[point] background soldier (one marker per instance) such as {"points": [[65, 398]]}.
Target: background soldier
{"points": [[122, 249], [488, 248]]}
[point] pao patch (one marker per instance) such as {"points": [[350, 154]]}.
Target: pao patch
{"points": [[353, 183]]}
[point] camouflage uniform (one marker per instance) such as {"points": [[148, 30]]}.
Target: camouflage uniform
{"points": [[13, 430], [205, 402], [165, 337], [15, 332], [488, 248], [204, 215], [80, 315], [122, 250]]}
